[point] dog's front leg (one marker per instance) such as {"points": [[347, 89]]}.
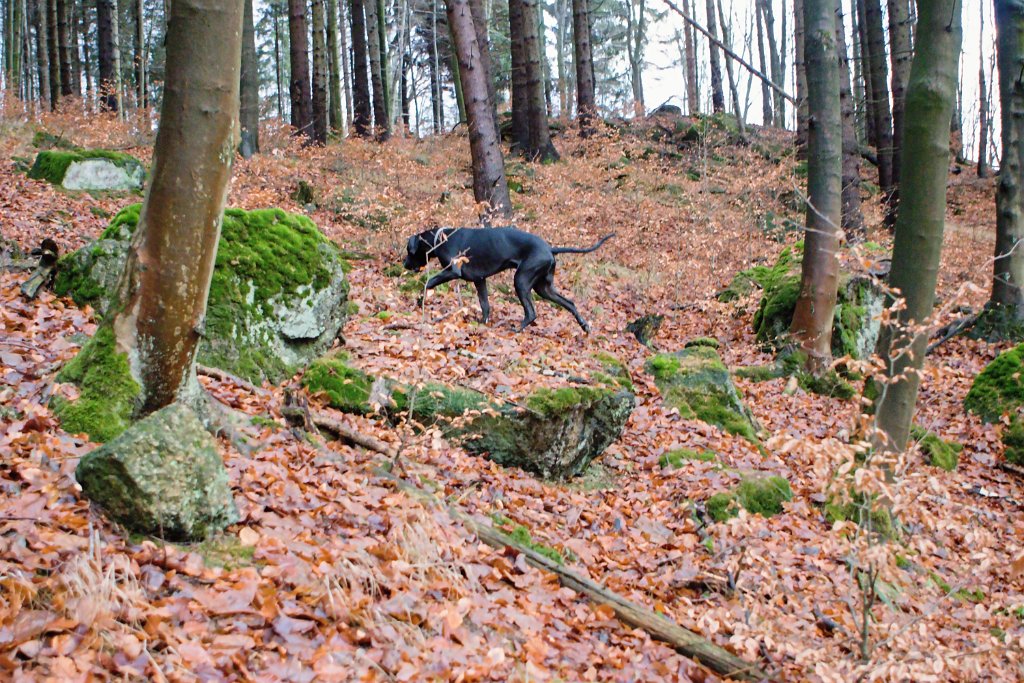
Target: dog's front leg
{"points": [[485, 304], [444, 276]]}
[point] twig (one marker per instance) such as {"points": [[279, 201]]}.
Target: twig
{"points": [[222, 375], [951, 330]]}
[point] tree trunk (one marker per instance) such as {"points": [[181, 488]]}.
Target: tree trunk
{"points": [[480, 24], [489, 183], [68, 85], [334, 68], [636, 29], [158, 319], [733, 89], [865, 65], [984, 115], [801, 79], [277, 60], [853, 220], [361, 112], [717, 95], [249, 88], [301, 96], [539, 146], [53, 54], [918, 243], [320, 76], [520, 95], [14, 44], [141, 94], [778, 72], [436, 110], [563, 75], [899, 55], [373, 47], [43, 52], [859, 102], [83, 23], [1008, 275], [346, 67], [692, 87], [880, 93], [767, 117], [109, 54], [819, 278]]}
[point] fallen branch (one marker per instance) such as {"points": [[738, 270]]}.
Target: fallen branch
{"points": [[1012, 468], [297, 415], [951, 330], [224, 376]]}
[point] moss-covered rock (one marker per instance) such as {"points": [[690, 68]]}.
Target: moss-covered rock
{"points": [[999, 388], [937, 451], [763, 277], [107, 393], [702, 341], [277, 297], [1013, 441], [645, 328], [347, 388], [998, 323], [758, 495], [46, 140], [89, 169], [163, 476], [697, 383]]}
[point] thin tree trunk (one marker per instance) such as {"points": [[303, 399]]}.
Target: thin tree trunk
{"points": [[1008, 271], [899, 55], [539, 146], [520, 95], [801, 79], [917, 249], [249, 88], [53, 56], [361, 112], [334, 68], [346, 68], [853, 220], [43, 52], [778, 71], [277, 59], [880, 92], [733, 89], [636, 30], [301, 96], [141, 95], [563, 75], [692, 87], [406, 82], [373, 47], [480, 24], [859, 100], [819, 279], [984, 117], [320, 75], [766, 94], [109, 54], [489, 183], [865, 60], [435, 73], [68, 85], [158, 319], [717, 95]]}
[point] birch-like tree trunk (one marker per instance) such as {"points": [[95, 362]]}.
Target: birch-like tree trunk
{"points": [[819, 279], [249, 88], [346, 68], [767, 116], [320, 74], [692, 86], [733, 88], [931, 90]]}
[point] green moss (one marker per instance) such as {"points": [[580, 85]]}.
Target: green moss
{"points": [[676, 458], [763, 277], [521, 535], [758, 495], [722, 506], [347, 388], [554, 402], [225, 551], [434, 400], [999, 388], [939, 453], [902, 562], [702, 341], [107, 392], [74, 279], [44, 140], [614, 370], [663, 366], [760, 373], [52, 165], [775, 311], [863, 510], [384, 315], [998, 323], [828, 384], [1013, 441], [264, 421], [394, 270]]}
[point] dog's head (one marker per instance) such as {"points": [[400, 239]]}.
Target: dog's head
{"points": [[417, 250]]}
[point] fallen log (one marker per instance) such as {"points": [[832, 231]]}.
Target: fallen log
{"points": [[47, 253]]}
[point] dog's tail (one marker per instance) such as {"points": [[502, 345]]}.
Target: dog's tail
{"points": [[579, 250]]}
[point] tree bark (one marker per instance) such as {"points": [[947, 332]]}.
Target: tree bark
{"points": [[361, 112], [733, 89], [346, 67], [717, 95], [859, 101], [865, 66], [373, 47], [778, 72], [853, 220], [1008, 275], [68, 85], [53, 56], [334, 69], [539, 146], [636, 30], [917, 249], [586, 100], [520, 95], [801, 79], [278, 66], [984, 116], [109, 54], [249, 88], [162, 294], [819, 278], [899, 56], [301, 96], [320, 75], [767, 115], [43, 52], [880, 93], [692, 87], [489, 183], [141, 89]]}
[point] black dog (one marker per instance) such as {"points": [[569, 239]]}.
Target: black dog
{"points": [[475, 254]]}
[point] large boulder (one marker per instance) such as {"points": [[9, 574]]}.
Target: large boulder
{"points": [[554, 433], [696, 382], [999, 388], [277, 298], [89, 169], [162, 476]]}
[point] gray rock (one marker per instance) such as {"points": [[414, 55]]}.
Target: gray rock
{"points": [[81, 169], [162, 476]]}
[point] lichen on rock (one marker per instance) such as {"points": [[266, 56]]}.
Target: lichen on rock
{"points": [[277, 296], [697, 383], [163, 476], [89, 169]]}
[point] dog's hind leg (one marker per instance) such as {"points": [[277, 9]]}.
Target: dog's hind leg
{"points": [[546, 290], [485, 305], [524, 281]]}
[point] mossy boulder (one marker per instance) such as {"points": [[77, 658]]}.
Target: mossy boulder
{"points": [[758, 495], [162, 476], [999, 388], [1013, 441], [937, 451], [277, 297], [89, 169], [697, 383]]}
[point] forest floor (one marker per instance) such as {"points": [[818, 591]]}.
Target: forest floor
{"points": [[333, 574]]}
